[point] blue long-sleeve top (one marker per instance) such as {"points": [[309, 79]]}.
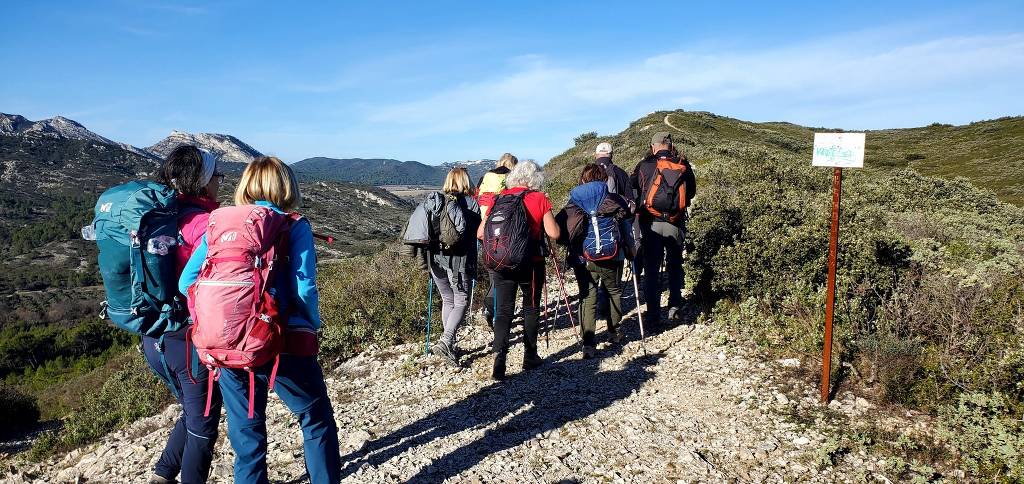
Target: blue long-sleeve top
{"points": [[296, 293]]}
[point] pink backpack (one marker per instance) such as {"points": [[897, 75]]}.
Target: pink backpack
{"points": [[236, 320]]}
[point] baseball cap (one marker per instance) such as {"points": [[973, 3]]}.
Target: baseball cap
{"points": [[603, 148], [661, 138]]}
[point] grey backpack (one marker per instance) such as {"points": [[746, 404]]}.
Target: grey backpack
{"points": [[451, 224]]}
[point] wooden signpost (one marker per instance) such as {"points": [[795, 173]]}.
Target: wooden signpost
{"points": [[836, 150]]}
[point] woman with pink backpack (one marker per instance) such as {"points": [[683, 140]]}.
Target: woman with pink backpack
{"points": [[252, 281]]}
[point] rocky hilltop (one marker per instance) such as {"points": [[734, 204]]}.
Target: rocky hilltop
{"points": [[228, 147]]}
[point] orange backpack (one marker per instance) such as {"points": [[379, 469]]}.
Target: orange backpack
{"points": [[665, 197]]}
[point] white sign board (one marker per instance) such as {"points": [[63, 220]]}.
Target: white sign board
{"points": [[842, 150]]}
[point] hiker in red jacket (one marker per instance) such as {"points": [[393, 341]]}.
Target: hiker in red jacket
{"points": [[189, 449], [524, 183]]}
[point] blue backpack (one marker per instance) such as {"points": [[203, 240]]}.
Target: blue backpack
{"points": [[603, 237], [136, 229]]}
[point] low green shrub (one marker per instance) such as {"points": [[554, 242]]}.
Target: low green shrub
{"points": [[376, 299], [129, 394], [986, 431], [20, 410]]}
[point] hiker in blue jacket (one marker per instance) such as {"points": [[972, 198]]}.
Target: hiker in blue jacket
{"points": [[598, 229], [189, 450], [299, 381]]}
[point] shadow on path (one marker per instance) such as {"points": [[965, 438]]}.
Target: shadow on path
{"points": [[530, 403]]}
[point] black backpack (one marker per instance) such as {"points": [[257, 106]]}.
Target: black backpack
{"points": [[507, 233]]}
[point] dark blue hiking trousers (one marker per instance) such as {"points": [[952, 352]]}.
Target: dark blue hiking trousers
{"points": [[189, 449], [300, 385]]}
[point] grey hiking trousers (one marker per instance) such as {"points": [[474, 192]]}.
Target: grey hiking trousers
{"points": [[454, 287]]}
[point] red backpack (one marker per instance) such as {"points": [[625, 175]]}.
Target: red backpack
{"points": [[236, 320]]}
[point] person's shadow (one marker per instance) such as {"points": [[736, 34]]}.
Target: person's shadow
{"points": [[532, 403], [566, 388]]}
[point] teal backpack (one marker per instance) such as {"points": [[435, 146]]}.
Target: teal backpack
{"points": [[136, 229]]}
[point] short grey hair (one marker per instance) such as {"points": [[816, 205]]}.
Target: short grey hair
{"points": [[526, 174]]}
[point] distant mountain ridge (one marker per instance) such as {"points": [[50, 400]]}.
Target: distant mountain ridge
{"points": [[58, 127], [385, 171]]}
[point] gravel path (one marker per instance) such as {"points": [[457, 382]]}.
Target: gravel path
{"points": [[693, 409]]}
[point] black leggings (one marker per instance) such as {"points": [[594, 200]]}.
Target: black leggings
{"points": [[529, 280]]}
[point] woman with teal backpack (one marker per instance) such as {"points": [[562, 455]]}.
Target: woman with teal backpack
{"points": [[189, 450]]}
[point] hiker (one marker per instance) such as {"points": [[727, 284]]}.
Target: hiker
{"points": [[598, 227], [488, 187], [618, 183], [493, 182], [618, 179], [265, 198], [665, 185], [445, 225], [189, 450], [514, 250]]}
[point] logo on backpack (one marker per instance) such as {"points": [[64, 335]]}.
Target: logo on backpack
{"points": [[665, 195], [237, 323], [136, 258], [506, 233]]}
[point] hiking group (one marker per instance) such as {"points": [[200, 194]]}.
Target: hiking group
{"points": [[226, 302]]}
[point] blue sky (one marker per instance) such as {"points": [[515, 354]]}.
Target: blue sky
{"points": [[442, 81]]}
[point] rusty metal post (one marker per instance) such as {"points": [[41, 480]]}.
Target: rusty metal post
{"points": [[830, 298]]}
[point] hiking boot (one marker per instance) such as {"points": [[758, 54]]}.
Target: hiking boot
{"points": [[675, 313], [498, 371], [616, 336], [589, 352], [157, 479], [531, 362], [489, 319], [445, 350]]}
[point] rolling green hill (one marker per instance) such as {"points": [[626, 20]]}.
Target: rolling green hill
{"points": [[369, 171], [988, 153], [929, 311]]}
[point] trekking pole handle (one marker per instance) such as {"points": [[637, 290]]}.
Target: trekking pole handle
{"points": [[326, 238]]}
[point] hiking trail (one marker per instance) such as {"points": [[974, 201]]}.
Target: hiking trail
{"points": [[694, 409], [669, 123]]}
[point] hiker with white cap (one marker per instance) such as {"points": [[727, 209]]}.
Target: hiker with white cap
{"points": [[618, 179]]}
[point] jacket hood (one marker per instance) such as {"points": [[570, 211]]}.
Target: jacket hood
{"points": [[589, 196], [434, 203]]}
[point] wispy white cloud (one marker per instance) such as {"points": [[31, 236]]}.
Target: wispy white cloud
{"points": [[538, 89]]}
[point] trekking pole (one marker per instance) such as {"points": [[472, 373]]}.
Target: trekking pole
{"points": [[639, 313], [565, 297], [329, 239], [547, 315], [430, 307], [472, 289]]}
